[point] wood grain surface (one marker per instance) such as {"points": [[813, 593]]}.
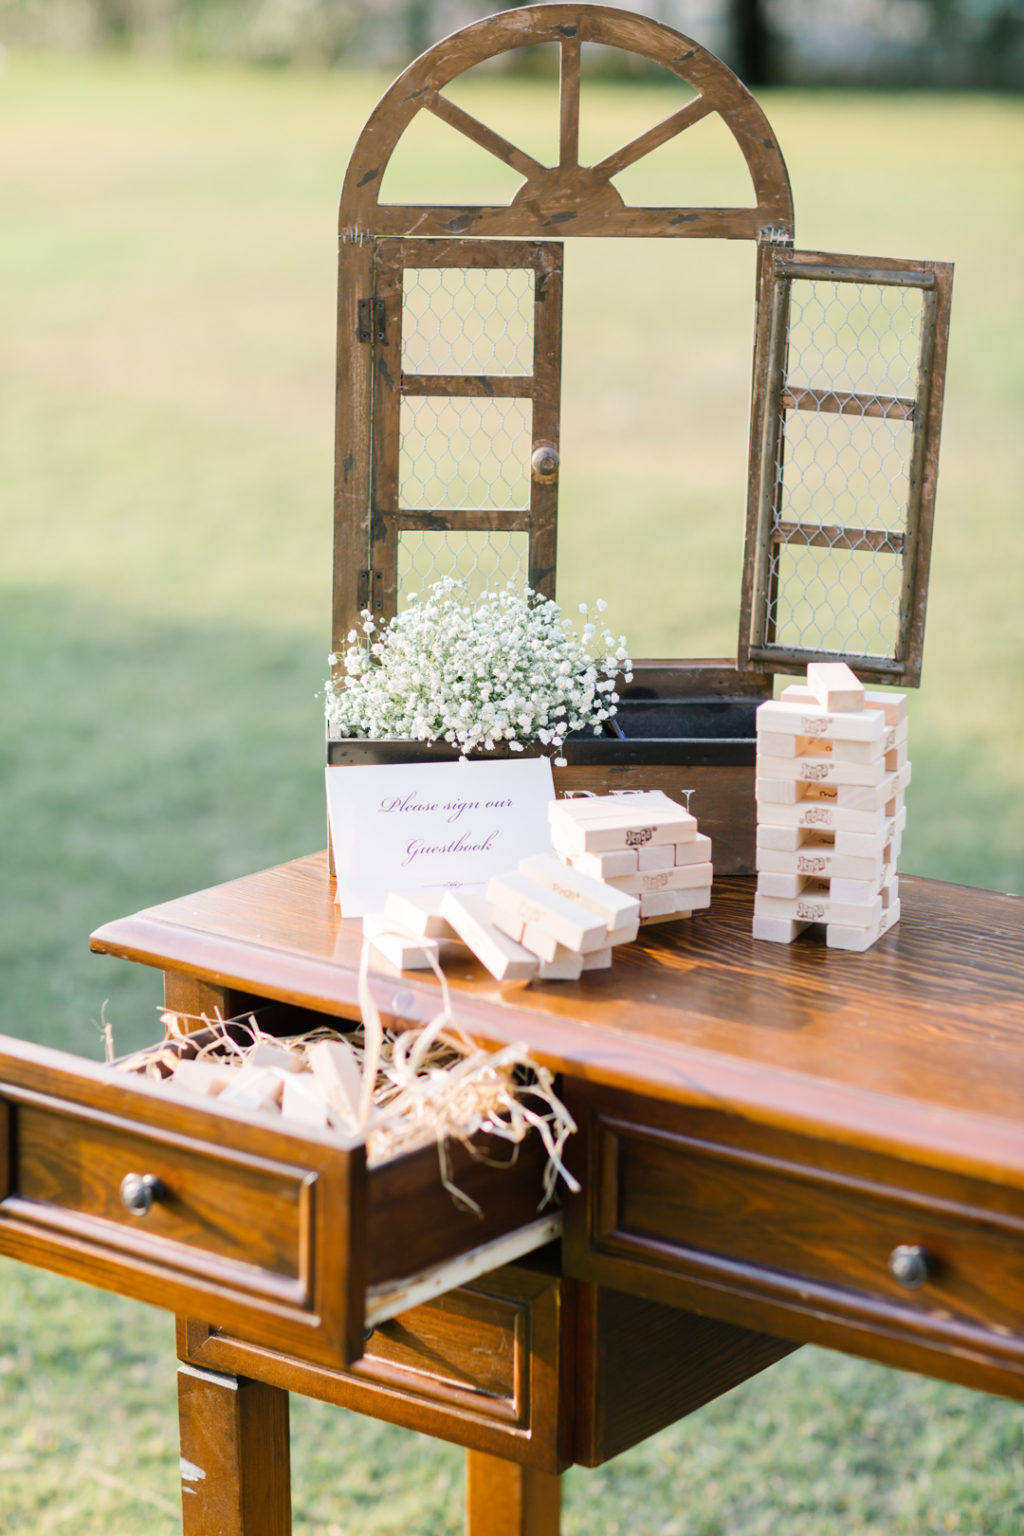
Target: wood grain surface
{"points": [[915, 1046]]}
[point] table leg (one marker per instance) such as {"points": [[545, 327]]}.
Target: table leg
{"points": [[235, 1463], [505, 1499]]}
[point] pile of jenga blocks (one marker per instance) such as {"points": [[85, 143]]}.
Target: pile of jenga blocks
{"points": [[619, 861], [832, 770], [641, 843], [540, 920]]}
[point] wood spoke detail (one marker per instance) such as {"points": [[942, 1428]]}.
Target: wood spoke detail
{"points": [[487, 139], [654, 138], [569, 105]]}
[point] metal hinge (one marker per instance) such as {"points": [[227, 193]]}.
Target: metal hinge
{"points": [[370, 590], [371, 320]]}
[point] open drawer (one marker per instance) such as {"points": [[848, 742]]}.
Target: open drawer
{"points": [[285, 1236]]}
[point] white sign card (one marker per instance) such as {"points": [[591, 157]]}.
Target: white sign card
{"points": [[433, 826]]}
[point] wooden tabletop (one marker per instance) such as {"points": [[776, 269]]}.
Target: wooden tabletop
{"points": [[916, 1045]]}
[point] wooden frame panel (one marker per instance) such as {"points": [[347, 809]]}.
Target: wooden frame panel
{"points": [[776, 396], [391, 386]]}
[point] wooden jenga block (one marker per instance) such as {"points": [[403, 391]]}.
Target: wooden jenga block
{"points": [[893, 706], [859, 892], [303, 1104], [254, 1088], [405, 953], [815, 906], [785, 839], [855, 797], [840, 936], [266, 1054], [623, 935], [565, 965], [786, 886], [206, 1077], [822, 864], [604, 866], [682, 877], [798, 693], [657, 856], [417, 913], [567, 921], [626, 830], [896, 758], [532, 937], [598, 959], [595, 896], [777, 930], [835, 686], [821, 770], [671, 905], [470, 916], [858, 751], [696, 852], [866, 844], [821, 816], [772, 744], [511, 926], [798, 720], [337, 1075], [776, 791]]}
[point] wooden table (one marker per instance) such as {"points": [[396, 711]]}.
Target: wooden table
{"points": [[776, 1145]]}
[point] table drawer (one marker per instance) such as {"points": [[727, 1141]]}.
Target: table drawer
{"points": [[286, 1237], [781, 1231]]}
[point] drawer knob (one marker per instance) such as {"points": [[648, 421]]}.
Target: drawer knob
{"points": [[139, 1190], [910, 1265]]}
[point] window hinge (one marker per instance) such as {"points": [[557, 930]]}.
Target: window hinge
{"points": [[370, 583], [371, 320]]}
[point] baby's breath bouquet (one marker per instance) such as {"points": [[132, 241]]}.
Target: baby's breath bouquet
{"points": [[503, 669]]}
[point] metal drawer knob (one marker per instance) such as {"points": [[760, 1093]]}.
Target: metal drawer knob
{"points": [[544, 461], [139, 1191], [910, 1265]]}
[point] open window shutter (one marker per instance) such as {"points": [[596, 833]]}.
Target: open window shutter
{"points": [[848, 381], [463, 439]]}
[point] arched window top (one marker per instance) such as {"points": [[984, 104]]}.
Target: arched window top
{"points": [[567, 197]]}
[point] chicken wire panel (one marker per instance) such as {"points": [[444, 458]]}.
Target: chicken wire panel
{"points": [[854, 338], [842, 601], [842, 472], [485, 561], [466, 320], [464, 454]]}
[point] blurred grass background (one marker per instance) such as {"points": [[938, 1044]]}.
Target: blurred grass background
{"points": [[166, 385]]}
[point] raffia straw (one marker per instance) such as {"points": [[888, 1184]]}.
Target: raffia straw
{"points": [[428, 1083]]}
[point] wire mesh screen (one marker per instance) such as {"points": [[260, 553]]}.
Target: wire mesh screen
{"points": [[467, 320], [461, 453], [484, 560], [842, 472]]}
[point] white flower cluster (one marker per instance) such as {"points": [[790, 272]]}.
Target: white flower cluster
{"points": [[504, 669]]}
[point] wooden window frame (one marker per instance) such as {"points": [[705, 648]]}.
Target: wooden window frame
{"points": [[757, 647]]}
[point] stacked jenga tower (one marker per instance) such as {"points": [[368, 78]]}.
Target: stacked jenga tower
{"points": [[642, 844], [832, 770]]}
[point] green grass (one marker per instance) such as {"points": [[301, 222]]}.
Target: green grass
{"points": [[167, 313]]}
